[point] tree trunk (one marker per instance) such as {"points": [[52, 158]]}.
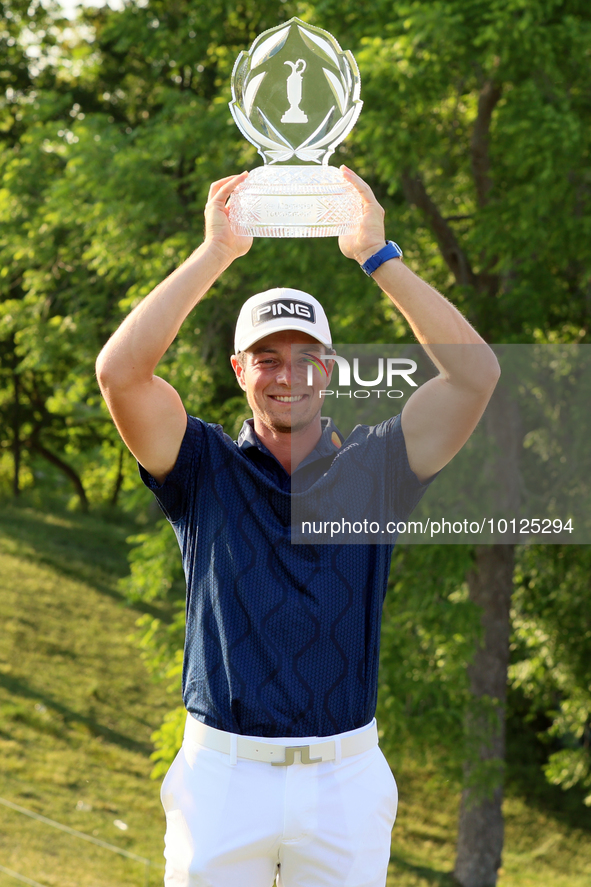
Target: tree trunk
{"points": [[480, 833], [118, 479], [67, 470]]}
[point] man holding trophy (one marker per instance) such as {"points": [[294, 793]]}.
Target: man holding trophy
{"points": [[280, 775]]}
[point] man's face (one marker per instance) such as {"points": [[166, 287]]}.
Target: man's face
{"points": [[274, 377]]}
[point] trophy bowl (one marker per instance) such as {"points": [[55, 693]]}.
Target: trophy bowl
{"points": [[295, 97], [295, 201]]}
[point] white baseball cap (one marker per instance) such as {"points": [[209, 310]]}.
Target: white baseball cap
{"points": [[280, 309]]}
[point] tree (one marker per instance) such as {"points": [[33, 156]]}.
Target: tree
{"points": [[48, 329]]}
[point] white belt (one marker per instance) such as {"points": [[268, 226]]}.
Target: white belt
{"points": [[281, 755]]}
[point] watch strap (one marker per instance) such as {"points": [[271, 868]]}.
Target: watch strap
{"points": [[390, 251]]}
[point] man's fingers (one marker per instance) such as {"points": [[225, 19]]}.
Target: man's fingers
{"points": [[358, 182], [216, 186], [222, 189]]}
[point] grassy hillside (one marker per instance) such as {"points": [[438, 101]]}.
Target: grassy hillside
{"points": [[546, 844], [76, 705], [77, 709]]}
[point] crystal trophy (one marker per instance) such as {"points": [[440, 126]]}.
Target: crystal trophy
{"points": [[295, 96]]}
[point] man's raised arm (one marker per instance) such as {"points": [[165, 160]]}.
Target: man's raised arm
{"points": [[147, 411], [441, 415]]}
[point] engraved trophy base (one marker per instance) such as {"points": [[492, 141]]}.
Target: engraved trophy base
{"points": [[295, 201]]}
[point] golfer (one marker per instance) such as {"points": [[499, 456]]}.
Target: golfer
{"points": [[280, 775]]}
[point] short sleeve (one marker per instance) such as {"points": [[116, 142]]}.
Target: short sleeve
{"points": [[174, 495], [405, 489]]}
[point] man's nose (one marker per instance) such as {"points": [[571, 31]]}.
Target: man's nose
{"points": [[284, 374]]}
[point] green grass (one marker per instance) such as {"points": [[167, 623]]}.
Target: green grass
{"points": [[77, 709], [543, 847], [77, 706]]}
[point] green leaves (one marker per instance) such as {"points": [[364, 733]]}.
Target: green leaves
{"points": [[551, 662], [428, 633]]}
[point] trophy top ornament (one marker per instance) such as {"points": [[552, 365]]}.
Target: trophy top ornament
{"points": [[295, 94]]}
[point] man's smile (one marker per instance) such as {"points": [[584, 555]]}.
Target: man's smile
{"points": [[288, 398]]}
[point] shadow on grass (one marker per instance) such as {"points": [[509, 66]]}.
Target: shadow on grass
{"points": [[18, 687], [430, 875], [80, 547]]}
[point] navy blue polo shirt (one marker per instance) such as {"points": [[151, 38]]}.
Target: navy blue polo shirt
{"points": [[281, 639]]}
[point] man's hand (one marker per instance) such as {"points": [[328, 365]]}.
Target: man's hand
{"points": [[217, 222], [441, 415], [370, 236], [148, 412]]}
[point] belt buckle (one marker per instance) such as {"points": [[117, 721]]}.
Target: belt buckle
{"points": [[290, 751]]}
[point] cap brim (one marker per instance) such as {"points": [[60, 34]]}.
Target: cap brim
{"points": [[247, 341]]}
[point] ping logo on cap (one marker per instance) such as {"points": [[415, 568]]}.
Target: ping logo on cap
{"points": [[283, 308]]}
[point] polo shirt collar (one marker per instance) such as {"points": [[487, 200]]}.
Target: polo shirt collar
{"points": [[328, 445]]}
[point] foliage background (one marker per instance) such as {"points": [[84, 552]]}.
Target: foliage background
{"points": [[111, 130]]}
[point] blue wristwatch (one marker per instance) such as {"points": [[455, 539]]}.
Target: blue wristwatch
{"points": [[390, 251]]}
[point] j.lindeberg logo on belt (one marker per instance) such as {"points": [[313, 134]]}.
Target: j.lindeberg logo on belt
{"points": [[290, 750], [283, 308]]}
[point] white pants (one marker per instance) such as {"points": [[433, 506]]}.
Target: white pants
{"points": [[312, 825]]}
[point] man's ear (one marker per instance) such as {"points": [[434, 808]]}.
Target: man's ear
{"points": [[239, 371]]}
